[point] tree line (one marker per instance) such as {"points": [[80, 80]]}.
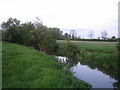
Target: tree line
{"points": [[34, 34], [25, 32], [37, 35], [40, 36], [31, 34]]}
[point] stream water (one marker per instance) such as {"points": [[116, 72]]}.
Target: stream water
{"points": [[95, 77]]}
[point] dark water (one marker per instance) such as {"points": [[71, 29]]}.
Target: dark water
{"points": [[95, 77]]}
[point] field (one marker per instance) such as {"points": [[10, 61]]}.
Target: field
{"points": [[95, 45], [24, 67]]}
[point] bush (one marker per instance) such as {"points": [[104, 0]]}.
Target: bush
{"points": [[69, 49], [48, 43]]}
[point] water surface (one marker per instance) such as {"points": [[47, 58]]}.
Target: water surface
{"points": [[95, 77]]}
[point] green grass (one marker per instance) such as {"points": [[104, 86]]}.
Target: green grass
{"points": [[108, 61], [94, 45], [24, 67]]}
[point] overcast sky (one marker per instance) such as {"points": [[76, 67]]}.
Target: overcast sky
{"points": [[81, 15]]}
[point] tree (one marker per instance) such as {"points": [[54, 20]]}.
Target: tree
{"points": [[91, 34], [55, 32], [11, 30], [113, 37], [67, 36], [26, 31], [48, 43], [10, 23], [104, 34], [73, 34], [38, 34], [37, 22], [79, 37], [98, 38]]}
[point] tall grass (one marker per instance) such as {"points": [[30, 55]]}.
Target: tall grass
{"points": [[24, 67], [109, 61]]}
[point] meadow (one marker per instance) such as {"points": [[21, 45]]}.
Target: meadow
{"points": [[95, 45], [25, 67]]}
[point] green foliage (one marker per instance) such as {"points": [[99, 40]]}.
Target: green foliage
{"points": [[26, 31], [38, 34], [45, 38], [48, 42], [31, 34], [12, 34], [108, 61], [24, 67], [55, 32], [10, 23], [15, 32], [11, 30], [69, 49]]}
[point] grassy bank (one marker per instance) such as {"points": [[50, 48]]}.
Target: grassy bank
{"points": [[102, 54], [24, 67]]}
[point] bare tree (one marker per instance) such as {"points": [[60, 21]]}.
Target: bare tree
{"points": [[73, 34], [98, 38], [37, 22], [91, 34], [79, 37], [104, 34]]}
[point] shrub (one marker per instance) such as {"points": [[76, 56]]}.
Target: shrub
{"points": [[48, 43], [69, 49]]}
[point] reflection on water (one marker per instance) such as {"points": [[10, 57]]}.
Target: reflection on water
{"points": [[93, 76], [98, 77]]}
